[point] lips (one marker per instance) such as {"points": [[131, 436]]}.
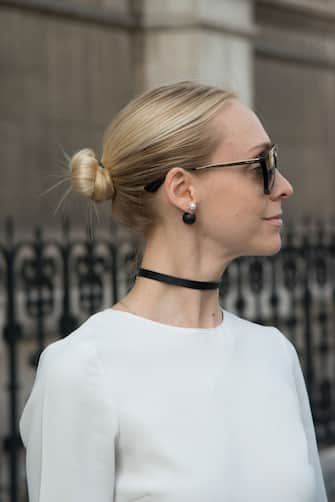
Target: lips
{"points": [[277, 216]]}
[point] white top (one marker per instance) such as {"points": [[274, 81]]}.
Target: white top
{"points": [[127, 409]]}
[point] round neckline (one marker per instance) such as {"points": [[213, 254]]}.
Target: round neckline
{"points": [[170, 327]]}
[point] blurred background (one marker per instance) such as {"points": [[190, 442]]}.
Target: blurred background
{"points": [[67, 67]]}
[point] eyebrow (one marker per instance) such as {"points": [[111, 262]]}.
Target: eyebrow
{"points": [[267, 144]]}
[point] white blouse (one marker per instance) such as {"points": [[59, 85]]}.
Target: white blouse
{"points": [[127, 409]]}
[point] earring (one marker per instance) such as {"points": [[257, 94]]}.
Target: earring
{"points": [[189, 218]]}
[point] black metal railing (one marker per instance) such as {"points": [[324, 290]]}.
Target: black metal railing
{"points": [[50, 285]]}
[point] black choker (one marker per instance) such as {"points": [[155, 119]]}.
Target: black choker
{"points": [[170, 279]]}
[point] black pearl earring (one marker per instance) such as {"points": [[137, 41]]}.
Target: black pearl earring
{"points": [[190, 218]]}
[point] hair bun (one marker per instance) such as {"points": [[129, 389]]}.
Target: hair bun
{"points": [[89, 178]]}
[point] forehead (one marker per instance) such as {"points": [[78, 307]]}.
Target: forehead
{"points": [[240, 129]]}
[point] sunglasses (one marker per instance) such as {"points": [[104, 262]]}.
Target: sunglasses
{"points": [[268, 163]]}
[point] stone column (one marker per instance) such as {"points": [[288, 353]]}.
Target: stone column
{"points": [[206, 40]]}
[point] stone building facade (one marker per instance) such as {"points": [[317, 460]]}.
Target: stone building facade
{"points": [[294, 69], [68, 66]]}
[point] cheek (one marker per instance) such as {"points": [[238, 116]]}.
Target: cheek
{"points": [[233, 214], [237, 202]]}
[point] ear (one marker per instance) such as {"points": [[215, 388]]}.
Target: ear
{"points": [[179, 188]]}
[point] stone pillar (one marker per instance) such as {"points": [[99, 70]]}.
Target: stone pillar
{"points": [[210, 41]]}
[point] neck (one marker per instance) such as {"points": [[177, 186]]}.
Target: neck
{"points": [[172, 304], [165, 303]]}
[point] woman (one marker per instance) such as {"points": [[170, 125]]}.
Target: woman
{"points": [[166, 396]]}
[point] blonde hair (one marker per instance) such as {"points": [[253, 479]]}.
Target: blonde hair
{"points": [[164, 127]]}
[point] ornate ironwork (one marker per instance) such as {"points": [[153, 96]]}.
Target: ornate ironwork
{"points": [[50, 286]]}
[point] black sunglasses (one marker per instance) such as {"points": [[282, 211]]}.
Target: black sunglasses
{"points": [[268, 162]]}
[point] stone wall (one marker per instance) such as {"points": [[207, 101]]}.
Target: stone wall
{"points": [[62, 81], [68, 67], [294, 94]]}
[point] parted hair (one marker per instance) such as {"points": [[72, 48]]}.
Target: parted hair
{"points": [[165, 127]]}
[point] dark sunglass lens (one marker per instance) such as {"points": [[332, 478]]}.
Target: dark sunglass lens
{"points": [[271, 164]]}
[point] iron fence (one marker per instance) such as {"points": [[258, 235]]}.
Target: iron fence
{"points": [[51, 285]]}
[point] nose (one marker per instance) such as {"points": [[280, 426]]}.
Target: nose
{"points": [[282, 187]]}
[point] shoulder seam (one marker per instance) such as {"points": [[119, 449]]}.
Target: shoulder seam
{"points": [[286, 343]]}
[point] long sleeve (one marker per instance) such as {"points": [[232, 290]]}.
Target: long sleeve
{"points": [[68, 427], [307, 420]]}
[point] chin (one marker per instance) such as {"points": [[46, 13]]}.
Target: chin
{"points": [[269, 248], [274, 249]]}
